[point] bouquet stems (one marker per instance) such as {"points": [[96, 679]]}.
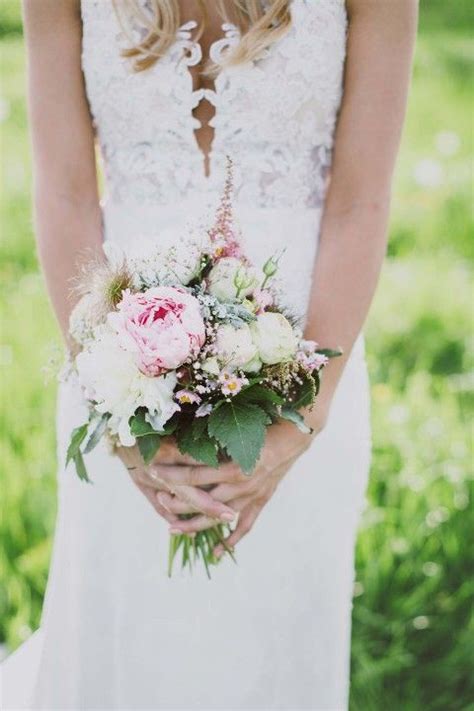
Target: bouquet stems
{"points": [[202, 545]]}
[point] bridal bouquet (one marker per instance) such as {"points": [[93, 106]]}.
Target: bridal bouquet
{"points": [[189, 342]]}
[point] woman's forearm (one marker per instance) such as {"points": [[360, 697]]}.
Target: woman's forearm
{"points": [[68, 222], [352, 248], [68, 232], [380, 46]]}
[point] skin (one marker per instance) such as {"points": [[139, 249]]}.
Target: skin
{"points": [[352, 241]]}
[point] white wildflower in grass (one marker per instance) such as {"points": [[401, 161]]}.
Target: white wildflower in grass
{"points": [[448, 143], [428, 173]]}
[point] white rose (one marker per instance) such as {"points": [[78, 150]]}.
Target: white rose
{"points": [[223, 279], [274, 338], [111, 378], [235, 347]]}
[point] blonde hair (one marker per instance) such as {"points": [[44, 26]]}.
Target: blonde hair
{"points": [[260, 27]]}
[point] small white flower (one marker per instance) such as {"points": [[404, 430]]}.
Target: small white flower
{"points": [[231, 384]]}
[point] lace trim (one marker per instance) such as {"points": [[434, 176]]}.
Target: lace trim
{"points": [[279, 133]]}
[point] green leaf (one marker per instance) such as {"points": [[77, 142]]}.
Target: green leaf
{"points": [[305, 393], [148, 446], [81, 467], [259, 394], [317, 382], [140, 427], [96, 429], [240, 430], [77, 437], [330, 352], [288, 413], [193, 439]]}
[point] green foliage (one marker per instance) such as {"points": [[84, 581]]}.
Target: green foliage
{"points": [[194, 439], [149, 445], [240, 430], [292, 415], [74, 453], [412, 613]]}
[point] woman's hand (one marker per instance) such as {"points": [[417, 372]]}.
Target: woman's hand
{"points": [[176, 476], [247, 495]]}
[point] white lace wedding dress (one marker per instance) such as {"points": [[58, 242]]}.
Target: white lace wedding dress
{"points": [[272, 632]]}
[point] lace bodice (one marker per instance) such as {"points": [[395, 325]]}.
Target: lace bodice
{"points": [[275, 116]]}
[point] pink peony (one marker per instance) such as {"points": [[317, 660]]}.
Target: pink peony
{"points": [[162, 326]]}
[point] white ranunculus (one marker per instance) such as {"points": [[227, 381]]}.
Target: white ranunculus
{"points": [[274, 338], [111, 378], [235, 347], [225, 275]]}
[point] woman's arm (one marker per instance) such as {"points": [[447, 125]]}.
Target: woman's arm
{"points": [[68, 216], [67, 211], [354, 226]]}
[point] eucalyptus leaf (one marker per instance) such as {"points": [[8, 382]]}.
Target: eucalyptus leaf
{"points": [[81, 467], [331, 352], [94, 433], [77, 437]]}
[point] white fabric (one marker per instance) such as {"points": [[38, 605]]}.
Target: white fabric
{"points": [[272, 632]]}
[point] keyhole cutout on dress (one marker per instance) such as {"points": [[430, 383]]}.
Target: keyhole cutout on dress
{"points": [[204, 111]]}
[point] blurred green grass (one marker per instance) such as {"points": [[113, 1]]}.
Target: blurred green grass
{"points": [[413, 629]]}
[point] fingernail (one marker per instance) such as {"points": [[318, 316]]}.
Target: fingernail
{"points": [[175, 531], [218, 551], [228, 517]]}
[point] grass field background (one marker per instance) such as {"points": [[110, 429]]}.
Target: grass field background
{"points": [[413, 640]]}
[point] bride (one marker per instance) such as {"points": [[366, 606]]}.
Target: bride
{"points": [[308, 98]]}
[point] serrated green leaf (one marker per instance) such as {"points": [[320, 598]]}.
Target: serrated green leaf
{"points": [[148, 446], [288, 413], [96, 429], [305, 393], [240, 430], [77, 437], [193, 439], [81, 467]]}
